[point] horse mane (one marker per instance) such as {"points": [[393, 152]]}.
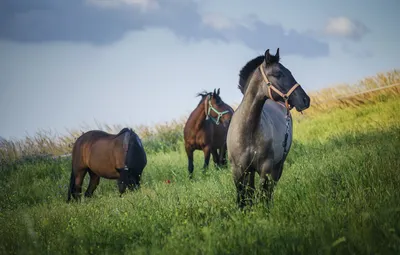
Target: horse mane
{"points": [[125, 129], [249, 68], [204, 93]]}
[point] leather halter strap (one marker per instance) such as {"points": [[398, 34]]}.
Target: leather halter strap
{"points": [[271, 87]]}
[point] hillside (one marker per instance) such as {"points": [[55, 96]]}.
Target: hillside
{"points": [[338, 193]]}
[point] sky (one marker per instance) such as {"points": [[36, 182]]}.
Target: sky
{"points": [[68, 64]]}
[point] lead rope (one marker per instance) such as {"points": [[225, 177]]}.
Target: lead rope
{"points": [[286, 133]]}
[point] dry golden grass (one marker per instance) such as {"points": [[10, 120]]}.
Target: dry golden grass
{"points": [[368, 90]]}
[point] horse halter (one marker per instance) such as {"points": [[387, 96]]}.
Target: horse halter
{"points": [[210, 107], [284, 96]]}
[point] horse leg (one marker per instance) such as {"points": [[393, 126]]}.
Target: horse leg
{"points": [[79, 177], [222, 155], [249, 187], [189, 152], [215, 156], [238, 178], [267, 188], [244, 182], [266, 184], [94, 181], [207, 155]]}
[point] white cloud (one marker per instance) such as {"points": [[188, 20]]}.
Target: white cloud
{"points": [[345, 28], [144, 5], [217, 21]]}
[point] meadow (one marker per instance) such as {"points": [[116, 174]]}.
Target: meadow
{"points": [[338, 193]]}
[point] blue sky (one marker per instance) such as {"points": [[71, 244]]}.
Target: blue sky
{"points": [[68, 63]]}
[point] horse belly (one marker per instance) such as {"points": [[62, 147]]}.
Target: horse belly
{"points": [[220, 136], [202, 140], [102, 161], [274, 130]]}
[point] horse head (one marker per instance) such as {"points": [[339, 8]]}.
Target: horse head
{"points": [[280, 85], [216, 109]]}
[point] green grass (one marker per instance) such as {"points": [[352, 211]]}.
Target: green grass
{"points": [[338, 195]]}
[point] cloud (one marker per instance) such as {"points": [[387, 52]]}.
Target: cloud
{"points": [[144, 5], [344, 27], [217, 21], [102, 22]]}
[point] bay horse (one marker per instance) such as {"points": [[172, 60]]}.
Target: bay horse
{"points": [[206, 130], [110, 156], [260, 132]]}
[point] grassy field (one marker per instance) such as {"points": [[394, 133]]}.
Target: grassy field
{"points": [[338, 195]]}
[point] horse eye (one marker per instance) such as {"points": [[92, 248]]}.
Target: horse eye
{"points": [[276, 75]]}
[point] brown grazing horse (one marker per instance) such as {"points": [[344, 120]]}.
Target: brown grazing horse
{"points": [[206, 130], [260, 133], [110, 156]]}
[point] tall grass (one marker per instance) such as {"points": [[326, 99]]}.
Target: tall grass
{"points": [[368, 90]]}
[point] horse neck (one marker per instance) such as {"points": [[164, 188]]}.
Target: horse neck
{"points": [[199, 116], [253, 102]]}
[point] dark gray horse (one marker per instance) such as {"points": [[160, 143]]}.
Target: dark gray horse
{"points": [[260, 133]]}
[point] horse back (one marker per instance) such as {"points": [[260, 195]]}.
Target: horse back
{"points": [[99, 151]]}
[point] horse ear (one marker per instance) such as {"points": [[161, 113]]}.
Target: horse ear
{"points": [[277, 54], [214, 92], [218, 92], [268, 57]]}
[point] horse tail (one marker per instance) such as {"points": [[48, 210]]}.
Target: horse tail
{"points": [[71, 184]]}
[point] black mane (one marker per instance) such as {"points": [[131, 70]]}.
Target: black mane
{"points": [[125, 129], [247, 70], [250, 67], [204, 93]]}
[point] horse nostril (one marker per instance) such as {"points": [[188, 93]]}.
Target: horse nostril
{"points": [[305, 100]]}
